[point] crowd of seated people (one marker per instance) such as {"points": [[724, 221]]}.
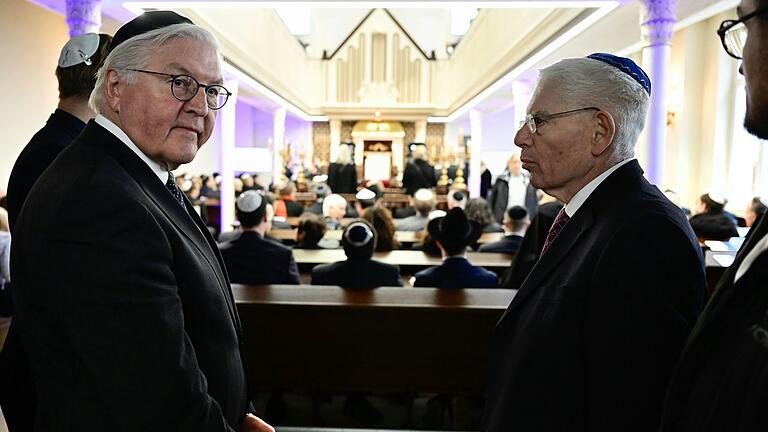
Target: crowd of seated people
{"points": [[332, 212]]}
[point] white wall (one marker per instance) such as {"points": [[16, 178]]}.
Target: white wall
{"points": [[31, 39]]}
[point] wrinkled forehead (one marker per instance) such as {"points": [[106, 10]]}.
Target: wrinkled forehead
{"points": [[546, 97], [188, 56]]}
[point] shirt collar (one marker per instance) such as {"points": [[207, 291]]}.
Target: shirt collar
{"points": [[115, 130], [581, 196]]}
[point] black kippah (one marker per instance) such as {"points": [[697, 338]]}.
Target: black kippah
{"points": [[458, 196], [517, 213], [146, 22]]}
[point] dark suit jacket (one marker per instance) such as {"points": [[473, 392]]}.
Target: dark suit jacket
{"points": [[417, 175], [17, 395], [530, 247], [590, 340], [721, 381], [508, 244], [714, 226], [254, 260], [456, 273], [293, 208], [123, 303], [357, 273], [499, 197], [342, 178]]}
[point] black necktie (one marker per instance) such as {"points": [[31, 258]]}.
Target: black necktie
{"points": [[174, 190]]}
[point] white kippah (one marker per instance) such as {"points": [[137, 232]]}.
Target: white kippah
{"points": [[718, 197], [78, 50], [436, 214], [365, 194], [423, 195], [249, 201]]}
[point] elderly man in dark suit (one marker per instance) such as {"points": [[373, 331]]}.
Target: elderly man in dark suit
{"points": [[251, 258], [124, 306], [590, 340], [721, 381]]}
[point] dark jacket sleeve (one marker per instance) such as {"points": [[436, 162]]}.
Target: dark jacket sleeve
{"points": [[293, 270], [634, 315], [122, 314]]}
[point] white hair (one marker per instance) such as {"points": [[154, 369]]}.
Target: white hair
{"points": [[137, 52], [584, 82], [344, 157], [333, 200]]}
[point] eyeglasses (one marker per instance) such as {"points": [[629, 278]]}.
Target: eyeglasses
{"points": [[733, 34], [185, 87], [534, 121]]}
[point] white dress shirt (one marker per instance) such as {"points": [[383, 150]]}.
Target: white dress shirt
{"points": [[581, 196], [517, 187], [156, 168]]}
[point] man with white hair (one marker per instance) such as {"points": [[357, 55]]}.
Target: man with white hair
{"points": [[125, 309], [590, 340], [334, 209]]}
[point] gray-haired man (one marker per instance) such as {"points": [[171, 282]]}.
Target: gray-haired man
{"points": [[125, 309], [591, 338]]}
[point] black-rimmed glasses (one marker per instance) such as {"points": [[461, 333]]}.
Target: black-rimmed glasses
{"points": [[534, 121], [185, 87], [733, 34]]}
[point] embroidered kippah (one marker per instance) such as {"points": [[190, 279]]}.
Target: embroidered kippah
{"points": [[627, 66]]}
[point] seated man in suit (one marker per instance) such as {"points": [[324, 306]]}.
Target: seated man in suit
{"points": [[453, 233], [516, 222], [456, 198], [359, 270], [253, 259], [710, 221], [591, 338], [424, 202]]}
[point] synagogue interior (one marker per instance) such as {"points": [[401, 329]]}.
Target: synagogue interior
{"points": [[350, 125]]}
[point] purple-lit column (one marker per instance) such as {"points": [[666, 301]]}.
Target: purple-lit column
{"points": [[227, 117], [476, 149], [656, 20], [83, 16], [278, 144]]}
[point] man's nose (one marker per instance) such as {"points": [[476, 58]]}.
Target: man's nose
{"points": [[199, 103], [522, 137]]}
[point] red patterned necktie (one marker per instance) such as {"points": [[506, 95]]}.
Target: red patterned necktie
{"points": [[560, 221]]}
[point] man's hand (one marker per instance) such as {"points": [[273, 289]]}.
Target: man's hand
{"points": [[255, 424]]}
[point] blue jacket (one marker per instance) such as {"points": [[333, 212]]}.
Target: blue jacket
{"points": [[456, 272]]}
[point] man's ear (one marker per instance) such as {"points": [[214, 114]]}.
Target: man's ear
{"points": [[114, 84], [605, 130]]}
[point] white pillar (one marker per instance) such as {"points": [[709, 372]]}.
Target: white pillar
{"points": [[227, 148], [278, 143], [335, 139], [476, 131], [656, 20], [83, 16], [420, 131]]}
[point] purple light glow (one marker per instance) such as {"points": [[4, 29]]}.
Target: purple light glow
{"points": [[83, 16]]}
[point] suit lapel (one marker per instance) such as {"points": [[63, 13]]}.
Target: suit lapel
{"points": [[557, 252], [188, 222], [576, 228]]}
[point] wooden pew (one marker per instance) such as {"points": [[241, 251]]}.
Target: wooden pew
{"points": [[409, 261], [321, 338], [407, 238]]}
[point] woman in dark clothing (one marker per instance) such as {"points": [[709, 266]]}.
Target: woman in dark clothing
{"points": [[479, 210], [342, 174]]}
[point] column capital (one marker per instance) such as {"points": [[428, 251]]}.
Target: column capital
{"points": [[657, 17], [83, 16]]}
